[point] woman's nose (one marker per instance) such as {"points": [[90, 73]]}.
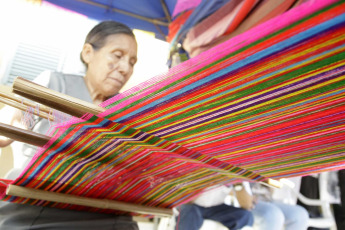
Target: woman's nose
{"points": [[124, 66]]}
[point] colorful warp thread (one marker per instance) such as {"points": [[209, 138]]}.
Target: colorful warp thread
{"points": [[267, 103], [121, 163]]}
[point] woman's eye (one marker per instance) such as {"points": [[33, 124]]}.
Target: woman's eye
{"points": [[118, 55]]}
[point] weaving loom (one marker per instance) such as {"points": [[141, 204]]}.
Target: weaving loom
{"points": [[268, 103]]}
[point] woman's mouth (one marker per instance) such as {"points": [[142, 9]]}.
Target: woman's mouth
{"points": [[119, 82]]}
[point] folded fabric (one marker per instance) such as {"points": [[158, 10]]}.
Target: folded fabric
{"points": [[264, 11], [221, 22], [202, 11], [175, 25]]}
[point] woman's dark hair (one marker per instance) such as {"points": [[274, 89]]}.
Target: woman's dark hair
{"points": [[98, 35]]}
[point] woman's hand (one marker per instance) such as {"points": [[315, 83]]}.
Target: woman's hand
{"points": [[4, 141], [245, 200]]}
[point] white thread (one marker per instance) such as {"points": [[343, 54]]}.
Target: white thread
{"points": [[58, 116]]}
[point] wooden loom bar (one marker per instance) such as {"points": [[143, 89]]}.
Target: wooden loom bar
{"points": [[107, 7], [24, 102], [23, 135], [53, 99], [20, 191], [25, 105]]}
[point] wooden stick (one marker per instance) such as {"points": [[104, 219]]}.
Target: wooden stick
{"points": [[20, 191], [25, 102], [273, 183], [115, 10], [53, 99], [25, 106], [23, 135]]}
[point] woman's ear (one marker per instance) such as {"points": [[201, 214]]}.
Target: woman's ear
{"points": [[87, 53]]}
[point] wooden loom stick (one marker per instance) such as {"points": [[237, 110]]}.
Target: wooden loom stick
{"points": [[23, 135], [25, 102], [53, 99], [273, 183], [41, 111], [20, 191]]}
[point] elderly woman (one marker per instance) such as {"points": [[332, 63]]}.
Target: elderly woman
{"points": [[109, 54]]}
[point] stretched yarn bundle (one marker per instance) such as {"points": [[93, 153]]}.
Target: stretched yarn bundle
{"points": [[269, 103]]}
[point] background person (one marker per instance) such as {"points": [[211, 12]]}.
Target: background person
{"points": [[210, 205], [270, 214]]}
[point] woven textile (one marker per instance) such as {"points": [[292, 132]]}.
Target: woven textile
{"points": [[267, 103]]}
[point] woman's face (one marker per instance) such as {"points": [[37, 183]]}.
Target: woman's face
{"points": [[110, 67]]}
